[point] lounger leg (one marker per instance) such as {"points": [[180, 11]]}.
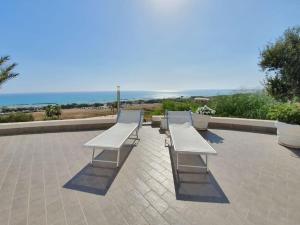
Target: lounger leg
{"points": [[118, 158], [93, 155], [177, 167], [177, 161], [206, 159], [166, 141]]}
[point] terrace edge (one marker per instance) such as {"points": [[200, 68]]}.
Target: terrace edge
{"points": [[241, 124], [95, 123], [100, 123]]}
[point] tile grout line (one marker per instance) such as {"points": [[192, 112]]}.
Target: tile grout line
{"points": [[4, 156], [12, 198], [144, 211], [6, 172], [85, 219], [115, 206], [44, 183], [60, 195], [98, 206], [29, 188], [150, 204]]}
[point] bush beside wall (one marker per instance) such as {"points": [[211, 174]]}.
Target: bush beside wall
{"points": [[16, 117], [250, 106]]}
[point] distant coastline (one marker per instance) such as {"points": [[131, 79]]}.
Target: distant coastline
{"points": [[42, 99]]}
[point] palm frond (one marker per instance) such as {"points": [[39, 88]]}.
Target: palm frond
{"points": [[10, 67], [6, 73], [4, 59]]}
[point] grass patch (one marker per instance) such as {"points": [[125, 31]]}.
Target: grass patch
{"points": [[16, 117], [251, 106]]}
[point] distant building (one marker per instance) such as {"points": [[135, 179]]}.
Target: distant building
{"points": [[201, 99]]}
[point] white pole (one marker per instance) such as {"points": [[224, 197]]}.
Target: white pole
{"points": [[118, 98]]}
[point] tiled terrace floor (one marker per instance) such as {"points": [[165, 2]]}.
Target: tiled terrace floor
{"points": [[47, 179]]}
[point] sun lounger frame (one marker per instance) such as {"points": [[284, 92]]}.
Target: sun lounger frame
{"points": [[178, 153], [133, 135]]}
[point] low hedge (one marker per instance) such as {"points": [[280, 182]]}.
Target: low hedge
{"points": [[285, 112], [250, 106], [16, 117], [182, 105]]}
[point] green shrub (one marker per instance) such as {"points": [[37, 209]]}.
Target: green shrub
{"points": [[156, 112], [249, 105], [52, 112], [184, 105], [252, 106], [16, 117], [285, 112]]}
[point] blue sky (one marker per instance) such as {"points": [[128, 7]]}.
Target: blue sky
{"points": [[76, 45]]}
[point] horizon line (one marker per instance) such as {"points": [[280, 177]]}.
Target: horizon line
{"points": [[133, 90]]}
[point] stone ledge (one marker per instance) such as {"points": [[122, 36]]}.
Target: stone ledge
{"points": [[57, 125], [264, 126], [253, 125]]}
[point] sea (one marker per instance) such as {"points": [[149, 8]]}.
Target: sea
{"points": [[42, 99]]}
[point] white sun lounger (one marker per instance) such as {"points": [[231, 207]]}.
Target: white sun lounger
{"points": [[127, 126], [185, 139]]}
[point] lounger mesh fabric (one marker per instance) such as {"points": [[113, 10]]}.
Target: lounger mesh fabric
{"points": [[185, 137], [129, 116], [113, 138], [128, 124], [179, 117]]}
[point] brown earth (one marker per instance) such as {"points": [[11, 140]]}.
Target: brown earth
{"points": [[78, 113]]}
